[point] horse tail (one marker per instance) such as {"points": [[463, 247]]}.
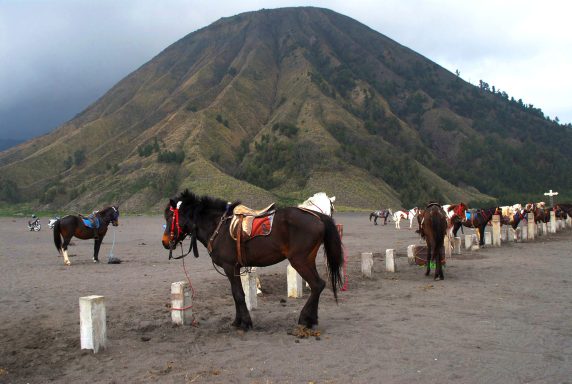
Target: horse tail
{"points": [[57, 237], [439, 230], [334, 253], [370, 216]]}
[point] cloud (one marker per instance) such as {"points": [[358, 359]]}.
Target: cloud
{"points": [[61, 55]]}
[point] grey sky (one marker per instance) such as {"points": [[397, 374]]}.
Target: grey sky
{"points": [[58, 56]]}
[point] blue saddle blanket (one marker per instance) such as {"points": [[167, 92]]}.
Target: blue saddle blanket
{"points": [[469, 215], [89, 222]]}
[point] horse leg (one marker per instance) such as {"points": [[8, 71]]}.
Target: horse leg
{"points": [[481, 233], [242, 318], [428, 263], [437, 254], [96, 245], [64, 250], [308, 272], [375, 220]]}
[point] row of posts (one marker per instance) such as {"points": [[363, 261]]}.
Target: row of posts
{"points": [[93, 333]]}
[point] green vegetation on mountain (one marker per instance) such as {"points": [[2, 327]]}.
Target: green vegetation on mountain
{"points": [[276, 105]]}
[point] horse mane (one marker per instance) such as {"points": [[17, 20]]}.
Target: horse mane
{"points": [[204, 203]]}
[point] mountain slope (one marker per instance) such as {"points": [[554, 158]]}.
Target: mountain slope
{"points": [[279, 104]]}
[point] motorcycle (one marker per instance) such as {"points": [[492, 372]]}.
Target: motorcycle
{"points": [[34, 225]]}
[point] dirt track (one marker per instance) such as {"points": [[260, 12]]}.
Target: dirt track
{"points": [[500, 316]]}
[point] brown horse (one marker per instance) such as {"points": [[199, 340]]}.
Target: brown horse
{"points": [[478, 220], [539, 211], [94, 227], [434, 230], [513, 219], [564, 210], [296, 235]]}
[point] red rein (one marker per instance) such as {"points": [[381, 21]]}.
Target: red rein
{"points": [[175, 221]]}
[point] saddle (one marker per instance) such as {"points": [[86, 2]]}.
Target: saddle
{"points": [[247, 223], [91, 221]]}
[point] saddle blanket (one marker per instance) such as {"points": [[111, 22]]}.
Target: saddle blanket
{"points": [[254, 226], [90, 221]]}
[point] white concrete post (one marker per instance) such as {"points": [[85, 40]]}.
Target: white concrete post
{"points": [[504, 234], [457, 245], [92, 322], [531, 227], [496, 242], [411, 254], [545, 229], [475, 241], [181, 303], [248, 280], [448, 247], [468, 242], [569, 221], [488, 238], [366, 264], [524, 233], [390, 260], [552, 222], [295, 283]]}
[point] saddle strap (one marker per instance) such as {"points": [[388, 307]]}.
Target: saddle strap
{"points": [[239, 257], [313, 213]]}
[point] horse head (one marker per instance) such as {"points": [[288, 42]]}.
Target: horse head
{"points": [[115, 216], [179, 225]]}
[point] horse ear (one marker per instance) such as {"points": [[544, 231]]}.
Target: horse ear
{"points": [[333, 198], [172, 203]]}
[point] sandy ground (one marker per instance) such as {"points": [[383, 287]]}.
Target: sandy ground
{"points": [[500, 316]]}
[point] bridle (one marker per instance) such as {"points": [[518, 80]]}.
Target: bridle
{"points": [[176, 226]]}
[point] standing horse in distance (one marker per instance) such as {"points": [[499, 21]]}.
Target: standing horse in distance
{"points": [[85, 228], [405, 215], [382, 214], [291, 233], [433, 230]]}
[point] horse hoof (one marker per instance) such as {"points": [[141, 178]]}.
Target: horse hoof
{"points": [[67, 263], [95, 261]]}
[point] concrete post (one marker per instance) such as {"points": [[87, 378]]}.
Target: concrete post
{"points": [[249, 287], [457, 246], [366, 264], [411, 254], [475, 241], [92, 322], [448, 247], [181, 303], [504, 233], [552, 222], [496, 240], [531, 227], [544, 229], [524, 233], [295, 283], [390, 260], [488, 238], [468, 242]]}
